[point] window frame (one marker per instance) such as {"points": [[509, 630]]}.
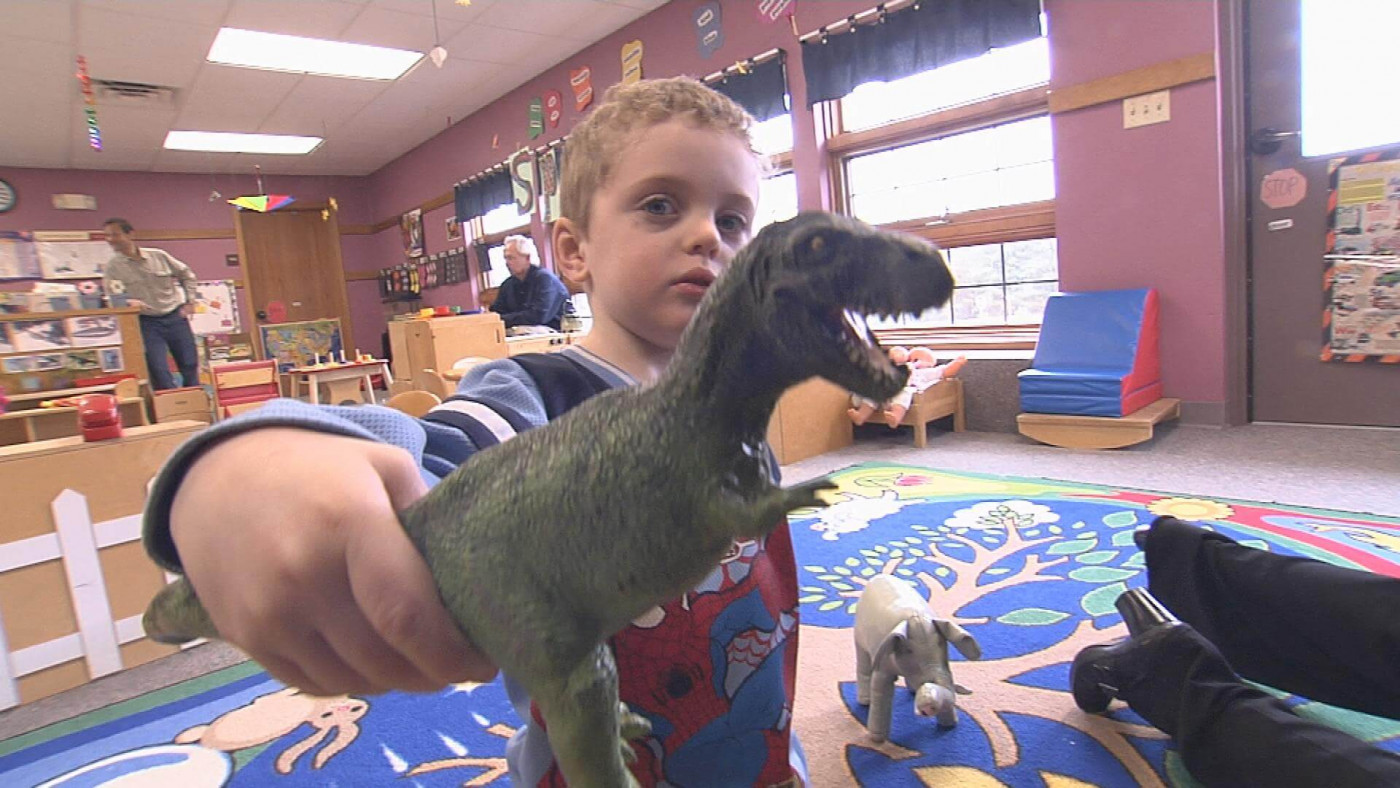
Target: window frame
{"points": [[1003, 224]]}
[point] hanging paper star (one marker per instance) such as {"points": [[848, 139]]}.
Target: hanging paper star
{"points": [[262, 203]]}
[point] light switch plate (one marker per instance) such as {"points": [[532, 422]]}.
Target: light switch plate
{"points": [[1147, 109]]}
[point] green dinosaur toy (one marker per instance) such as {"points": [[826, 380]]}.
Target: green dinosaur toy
{"points": [[545, 546]]}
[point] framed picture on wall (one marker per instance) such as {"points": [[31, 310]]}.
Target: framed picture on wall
{"points": [[454, 229], [298, 344]]}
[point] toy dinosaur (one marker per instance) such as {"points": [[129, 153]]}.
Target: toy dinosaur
{"points": [[546, 545]]}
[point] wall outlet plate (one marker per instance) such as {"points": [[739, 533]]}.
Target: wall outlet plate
{"points": [[1147, 109]]}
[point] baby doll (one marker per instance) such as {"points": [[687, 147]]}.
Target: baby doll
{"points": [[924, 371]]}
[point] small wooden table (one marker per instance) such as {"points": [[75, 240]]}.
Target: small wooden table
{"points": [[342, 381], [944, 398]]}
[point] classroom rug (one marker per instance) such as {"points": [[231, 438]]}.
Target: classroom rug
{"points": [[1030, 567]]}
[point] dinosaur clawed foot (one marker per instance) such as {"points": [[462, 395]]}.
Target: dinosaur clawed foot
{"points": [[805, 494], [630, 725]]}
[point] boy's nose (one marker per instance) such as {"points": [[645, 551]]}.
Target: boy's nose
{"points": [[702, 237]]}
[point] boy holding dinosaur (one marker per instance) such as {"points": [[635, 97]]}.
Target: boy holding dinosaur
{"points": [[305, 566]]}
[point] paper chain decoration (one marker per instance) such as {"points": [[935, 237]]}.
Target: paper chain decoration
{"points": [[90, 110]]}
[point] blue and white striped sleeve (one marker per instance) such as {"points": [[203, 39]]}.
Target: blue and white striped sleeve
{"points": [[492, 403]]}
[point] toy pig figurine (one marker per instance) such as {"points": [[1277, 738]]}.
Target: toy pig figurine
{"points": [[897, 635]]}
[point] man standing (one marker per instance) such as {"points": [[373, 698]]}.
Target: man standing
{"points": [[531, 296], [164, 289]]}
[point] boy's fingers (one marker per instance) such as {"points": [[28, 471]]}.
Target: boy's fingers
{"points": [[393, 587], [356, 642], [402, 479], [320, 663]]}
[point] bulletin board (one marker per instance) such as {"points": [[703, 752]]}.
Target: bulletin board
{"points": [[298, 344], [1361, 319], [215, 308]]}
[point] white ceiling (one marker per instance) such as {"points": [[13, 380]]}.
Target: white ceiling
{"points": [[493, 47]]}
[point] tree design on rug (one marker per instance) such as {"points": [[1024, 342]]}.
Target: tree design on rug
{"points": [[982, 549]]}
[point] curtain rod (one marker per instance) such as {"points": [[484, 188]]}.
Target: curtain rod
{"points": [[850, 23], [503, 165], [742, 66]]}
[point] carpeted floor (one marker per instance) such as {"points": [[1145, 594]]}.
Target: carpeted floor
{"points": [[1030, 567]]}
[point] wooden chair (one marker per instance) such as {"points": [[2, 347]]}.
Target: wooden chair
{"points": [[944, 398], [414, 403], [431, 381], [243, 385]]}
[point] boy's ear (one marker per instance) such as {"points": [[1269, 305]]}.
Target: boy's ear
{"points": [[567, 244]]}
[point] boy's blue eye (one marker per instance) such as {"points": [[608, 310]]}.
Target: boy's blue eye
{"points": [[733, 224], [658, 206]]}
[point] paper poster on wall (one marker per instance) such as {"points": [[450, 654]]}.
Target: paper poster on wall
{"points": [[6, 345], [46, 363], [536, 117], [215, 308], [32, 335], [553, 108], [522, 180], [581, 80], [72, 255], [298, 344], [549, 166], [773, 10], [632, 62], [709, 33], [454, 229], [19, 259], [94, 330], [411, 228], [1361, 321], [15, 365]]}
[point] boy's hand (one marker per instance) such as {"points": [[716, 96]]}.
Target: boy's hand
{"points": [[293, 544]]}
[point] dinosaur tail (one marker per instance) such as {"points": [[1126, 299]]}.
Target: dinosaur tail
{"points": [[176, 616]]}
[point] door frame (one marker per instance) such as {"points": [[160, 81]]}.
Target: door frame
{"points": [[1232, 86]]}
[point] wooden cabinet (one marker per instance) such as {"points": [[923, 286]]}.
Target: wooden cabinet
{"points": [[810, 420], [74, 579], [437, 343]]}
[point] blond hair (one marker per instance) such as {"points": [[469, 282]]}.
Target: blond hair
{"points": [[594, 145]]}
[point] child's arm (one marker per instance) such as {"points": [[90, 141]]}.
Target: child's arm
{"points": [[285, 523]]}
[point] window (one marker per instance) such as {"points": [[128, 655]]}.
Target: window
{"points": [[961, 155], [1345, 45], [773, 136], [503, 218], [997, 285], [1003, 165], [777, 194], [997, 72], [497, 273]]}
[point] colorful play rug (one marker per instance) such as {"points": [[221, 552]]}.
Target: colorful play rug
{"points": [[1030, 567]]}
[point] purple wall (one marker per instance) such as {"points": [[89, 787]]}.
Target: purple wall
{"points": [[1138, 207], [168, 201], [1142, 207]]}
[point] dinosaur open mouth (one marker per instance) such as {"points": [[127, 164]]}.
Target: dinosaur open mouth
{"points": [[856, 339]]}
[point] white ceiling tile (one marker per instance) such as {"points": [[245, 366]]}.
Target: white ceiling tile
{"points": [[200, 12], [500, 45], [32, 58], [600, 21], [135, 49], [382, 28], [320, 105], [129, 134], [228, 98], [310, 18], [41, 20], [445, 8]]}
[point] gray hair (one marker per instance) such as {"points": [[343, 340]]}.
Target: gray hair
{"points": [[523, 243]]}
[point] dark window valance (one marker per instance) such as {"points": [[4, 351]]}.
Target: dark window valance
{"points": [[762, 91], [476, 197], [918, 38]]}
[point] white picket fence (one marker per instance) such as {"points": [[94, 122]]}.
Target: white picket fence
{"points": [[76, 542]]}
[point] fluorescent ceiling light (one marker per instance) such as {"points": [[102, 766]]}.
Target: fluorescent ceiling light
{"points": [[251, 49], [232, 142]]}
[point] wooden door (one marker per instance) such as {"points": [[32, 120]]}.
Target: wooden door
{"points": [[291, 257], [1289, 381]]}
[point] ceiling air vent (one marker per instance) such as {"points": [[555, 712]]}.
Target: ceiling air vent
{"points": [[133, 94]]}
